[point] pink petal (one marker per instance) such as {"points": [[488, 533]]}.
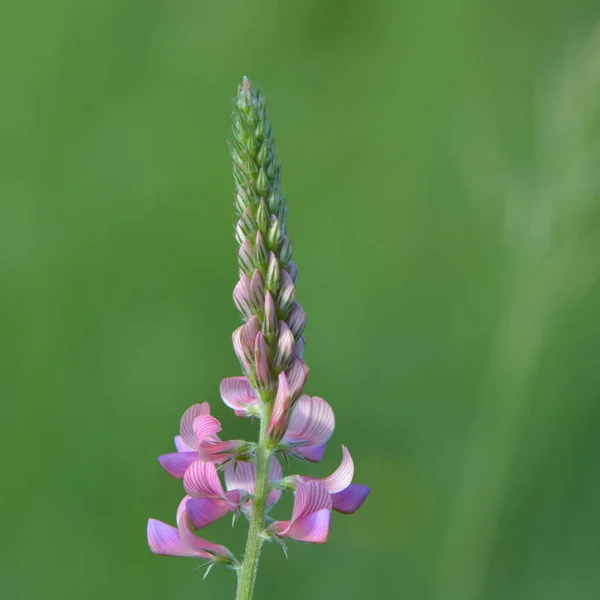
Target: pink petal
{"points": [[238, 394], [204, 511], [240, 475], [310, 515], [310, 497], [350, 500], [182, 446], [279, 417], [176, 464], [205, 426], [341, 478], [202, 480], [313, 528], [312, 422], [164, 539], [296, 319], [193, 541], [186, 427]]}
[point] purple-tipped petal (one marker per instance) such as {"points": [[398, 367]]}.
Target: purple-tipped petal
{"points": [[312, 423], [238, 394], [350, 500], [341, 478], [186, 427], [202, 480], [297, 374], [205, 427], [176, 464], [311, 453], [204, 511], [281, 408]]}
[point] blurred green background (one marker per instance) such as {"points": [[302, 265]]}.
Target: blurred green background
{"points": [[440, 163]]}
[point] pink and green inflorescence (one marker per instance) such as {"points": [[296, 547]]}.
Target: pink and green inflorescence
{"points": [[236, 476]]}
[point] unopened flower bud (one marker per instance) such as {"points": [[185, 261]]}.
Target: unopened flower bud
{"points": [[246, 257], [287, 294], [241, 296], [284, 348], [261, 363], [274, 234], [296, 319], [273, 278], [270, 320], [261, 254], [256, 292]]}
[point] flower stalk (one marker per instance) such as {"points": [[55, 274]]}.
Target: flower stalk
{"points": [[269, 345]]}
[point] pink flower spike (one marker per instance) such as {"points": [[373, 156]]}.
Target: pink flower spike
{"points": [[281, 408], [348, 501], [310, 515], [341, 478], [237, 393], [311, 425]]}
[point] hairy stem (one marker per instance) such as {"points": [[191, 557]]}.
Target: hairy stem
{"points": [[249, 568]]}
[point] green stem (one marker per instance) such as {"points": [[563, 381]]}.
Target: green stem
{"points": [[249, 568]]}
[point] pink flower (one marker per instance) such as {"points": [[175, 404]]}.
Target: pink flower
{"points": [[311, 425], [181, 540], [241, 475], [198, 439], [310, 516], [208, 501], [346, 497]]}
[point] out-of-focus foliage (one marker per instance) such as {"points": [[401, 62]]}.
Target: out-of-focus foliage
{"points": [[441, 163]]}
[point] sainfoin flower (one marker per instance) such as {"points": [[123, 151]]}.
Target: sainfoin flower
{"points": [[237, 477]]}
